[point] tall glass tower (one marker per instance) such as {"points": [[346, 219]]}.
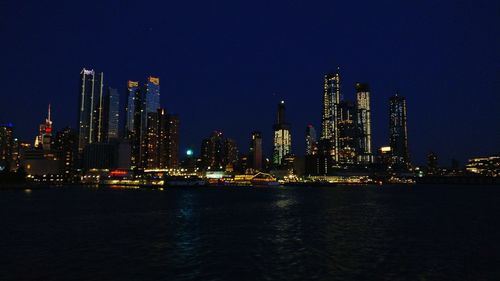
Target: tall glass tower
{"points": [[282, 137], [398, 133], [311, 141], [90, 109], [363, 123], [329, 122], [111, 115], [132, 89]]}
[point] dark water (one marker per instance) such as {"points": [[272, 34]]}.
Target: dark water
{"points": [[340, 233]]}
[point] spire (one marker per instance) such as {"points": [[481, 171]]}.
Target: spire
{"points": [[48, 114]]}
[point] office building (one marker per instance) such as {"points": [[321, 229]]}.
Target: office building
{"points": [[329, 122], [132, 94], [398, 134], [346, 129], [363, 122], [110, 115], [44, 138], [282, 138], [90, 108], [162, 141], [66, 147]]}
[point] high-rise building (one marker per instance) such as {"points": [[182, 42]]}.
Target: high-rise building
{"points": [[282, 137], [162, 141], [256, 151], [329, 122], [6, 146], [44, 138], [230, 152], [212, 152], [66, 145], [363, 120], [346, 133], [90, 109], [110, 115], [141, 102], [398, 134], [132, 93], [311, 140]]}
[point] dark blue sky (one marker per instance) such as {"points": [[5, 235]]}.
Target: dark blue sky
{"points": [[225, 64]]}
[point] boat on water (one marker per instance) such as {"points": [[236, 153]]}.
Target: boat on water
{"points": [[184, 181]]}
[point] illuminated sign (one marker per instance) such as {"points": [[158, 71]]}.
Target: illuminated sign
{"points": [[118, 173], [88, 72], [385, 149]]}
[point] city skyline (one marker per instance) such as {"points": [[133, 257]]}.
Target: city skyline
{"points": [[430, 68]]}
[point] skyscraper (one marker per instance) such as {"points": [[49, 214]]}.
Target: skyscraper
{"points": [[282, 137], [256, 151], [110, 115], [329, 122], [132, 92], [346, 133], [363, 120], [212, 151], [90, 108], [162, 141], [398, 134], [44, 138], [311, 140], [66, 145]]}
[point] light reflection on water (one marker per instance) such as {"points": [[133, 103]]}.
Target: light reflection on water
{"points": [[250, 234]]}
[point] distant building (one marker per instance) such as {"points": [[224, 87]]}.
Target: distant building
{"points": [[66, 147], [132, 93], [363, 123], [256, 151], [219, 153], [432, 164], [100, 156], [110, 115], [90, 108], [282, 142], [44, 138], [6, 146], [398, 132], [311, 141], [485, 166]]}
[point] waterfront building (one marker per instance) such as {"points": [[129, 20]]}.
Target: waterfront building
{"points": [[212, 152], [398, 133], [90, 108], [282, 138], [485, 166], [363, 122]]}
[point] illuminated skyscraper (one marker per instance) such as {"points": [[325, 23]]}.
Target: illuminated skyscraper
{"points": [[346, 133], [110, 115], [44, 138], [398, 134], [363, 120], [282, 137], [212, 152], [329, 123], [132, 92], [66, 145], [90, 109], [6, 146], [256, 151], [311, 141]]}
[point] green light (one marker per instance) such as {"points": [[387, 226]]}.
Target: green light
{"points": [[189, 152]]}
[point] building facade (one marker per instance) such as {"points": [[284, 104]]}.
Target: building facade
{"points": [[398, 132], [329, 121], [90, 108], [363, 120], [282, 142]]}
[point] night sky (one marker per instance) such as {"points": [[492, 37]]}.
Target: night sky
{"points": [[225, 64]]}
